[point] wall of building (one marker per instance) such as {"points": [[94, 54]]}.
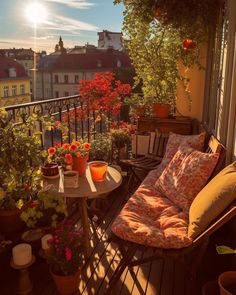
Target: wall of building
{"points": [[61, 88], [109, 39], [192, 107], [18, 98]]}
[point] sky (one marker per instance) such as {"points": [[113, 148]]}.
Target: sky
{"points": [[76, 21]]}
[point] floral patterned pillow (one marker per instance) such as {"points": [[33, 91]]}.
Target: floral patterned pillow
{"points": [[186, 174], [175, 140]]}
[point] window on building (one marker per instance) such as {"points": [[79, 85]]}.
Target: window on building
{"points": [[66, 93], [76, 79], [66, 79], [56, 79], [6, 91], [56, 94], [14, 90], [22, 89]]}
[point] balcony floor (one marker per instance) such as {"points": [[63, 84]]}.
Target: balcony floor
{"points": [[161, 277]]}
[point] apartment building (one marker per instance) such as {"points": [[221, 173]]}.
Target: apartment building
{"points": [[14, 83], [59, 74]]}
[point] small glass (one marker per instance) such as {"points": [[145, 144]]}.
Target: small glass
{"points": [[98, 170]]}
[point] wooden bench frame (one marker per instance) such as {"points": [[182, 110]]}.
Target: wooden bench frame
{"points": [[128, 248]]}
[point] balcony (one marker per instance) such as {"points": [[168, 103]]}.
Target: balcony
{"points": [[212, 103], [162, 276]]}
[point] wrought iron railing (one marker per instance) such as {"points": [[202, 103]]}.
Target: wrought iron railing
{"points": [[79, 122]]}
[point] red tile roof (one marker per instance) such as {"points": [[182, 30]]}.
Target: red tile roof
{"points": [[6, 64], [90, 61]]}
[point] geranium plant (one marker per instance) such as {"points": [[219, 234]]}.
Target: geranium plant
{"points": [[64, 154], [65, 255], [103, 93], [47, 210]]}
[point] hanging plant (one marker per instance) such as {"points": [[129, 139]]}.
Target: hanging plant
{"points": [[159, 35]]}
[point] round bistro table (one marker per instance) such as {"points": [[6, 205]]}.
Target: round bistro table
{"points": [[88, 189]]}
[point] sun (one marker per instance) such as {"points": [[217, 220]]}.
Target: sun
{"points": [[36, 13]]}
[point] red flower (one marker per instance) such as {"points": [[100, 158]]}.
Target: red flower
{"points": [[86, 146], [33, 204], [73, 147], [188, 44], [66, 146], [51, 151], [68, 159]]}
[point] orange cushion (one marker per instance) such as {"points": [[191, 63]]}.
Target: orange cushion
{"points": [[175, 140], [186, 175]]}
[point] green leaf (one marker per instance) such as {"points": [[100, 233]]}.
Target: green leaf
{"points": [[225, 250]]}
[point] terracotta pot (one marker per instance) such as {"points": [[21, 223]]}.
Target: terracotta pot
{"points": [[140, 111], [10, 221], [33, 237], [66, 285], [227, 283], [161, 110], [79, 164], [50, 169]]}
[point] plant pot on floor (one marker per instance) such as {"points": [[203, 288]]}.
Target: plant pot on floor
{"points": [[66, 285], [161, 110], [10, 221], [227, 283]]}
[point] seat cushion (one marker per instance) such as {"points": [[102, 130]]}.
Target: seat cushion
{"points": [[186, 175], [152, 220], [212, 200]]}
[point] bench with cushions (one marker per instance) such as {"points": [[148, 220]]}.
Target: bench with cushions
{"points": [[175, 208]]}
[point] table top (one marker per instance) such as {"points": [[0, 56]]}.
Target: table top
{"points": [[87, 187]]}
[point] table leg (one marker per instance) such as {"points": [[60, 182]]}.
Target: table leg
{"points": [[24, 285], [85, 224]]}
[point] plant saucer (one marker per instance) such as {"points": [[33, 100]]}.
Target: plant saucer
{"points": [[52, 177]]}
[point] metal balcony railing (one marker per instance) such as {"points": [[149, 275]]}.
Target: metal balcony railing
{"points": [[79, 122]]}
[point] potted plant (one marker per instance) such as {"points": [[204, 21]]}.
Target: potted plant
{"points": [[20, 174], [65, 259], [47, 210], [121, 138], [137, 105], [42, 215], [101, 147], [75, 155], [227, 280]]}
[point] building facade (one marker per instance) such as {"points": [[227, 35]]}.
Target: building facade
{"points": [[108, 40], [59, 74], [14, 83]]}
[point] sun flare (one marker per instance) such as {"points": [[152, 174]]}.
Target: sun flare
{"points": [[36, 13]]}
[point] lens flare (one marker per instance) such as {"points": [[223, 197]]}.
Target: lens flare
{"points": [[36, 13]]}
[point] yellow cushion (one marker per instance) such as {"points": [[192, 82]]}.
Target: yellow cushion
{"points": [[212, 200]]}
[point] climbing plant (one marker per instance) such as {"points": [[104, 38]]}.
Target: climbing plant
{"points": [[160, 35]]}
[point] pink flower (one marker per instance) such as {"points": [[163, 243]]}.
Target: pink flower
{"points": [[68, 254]]}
